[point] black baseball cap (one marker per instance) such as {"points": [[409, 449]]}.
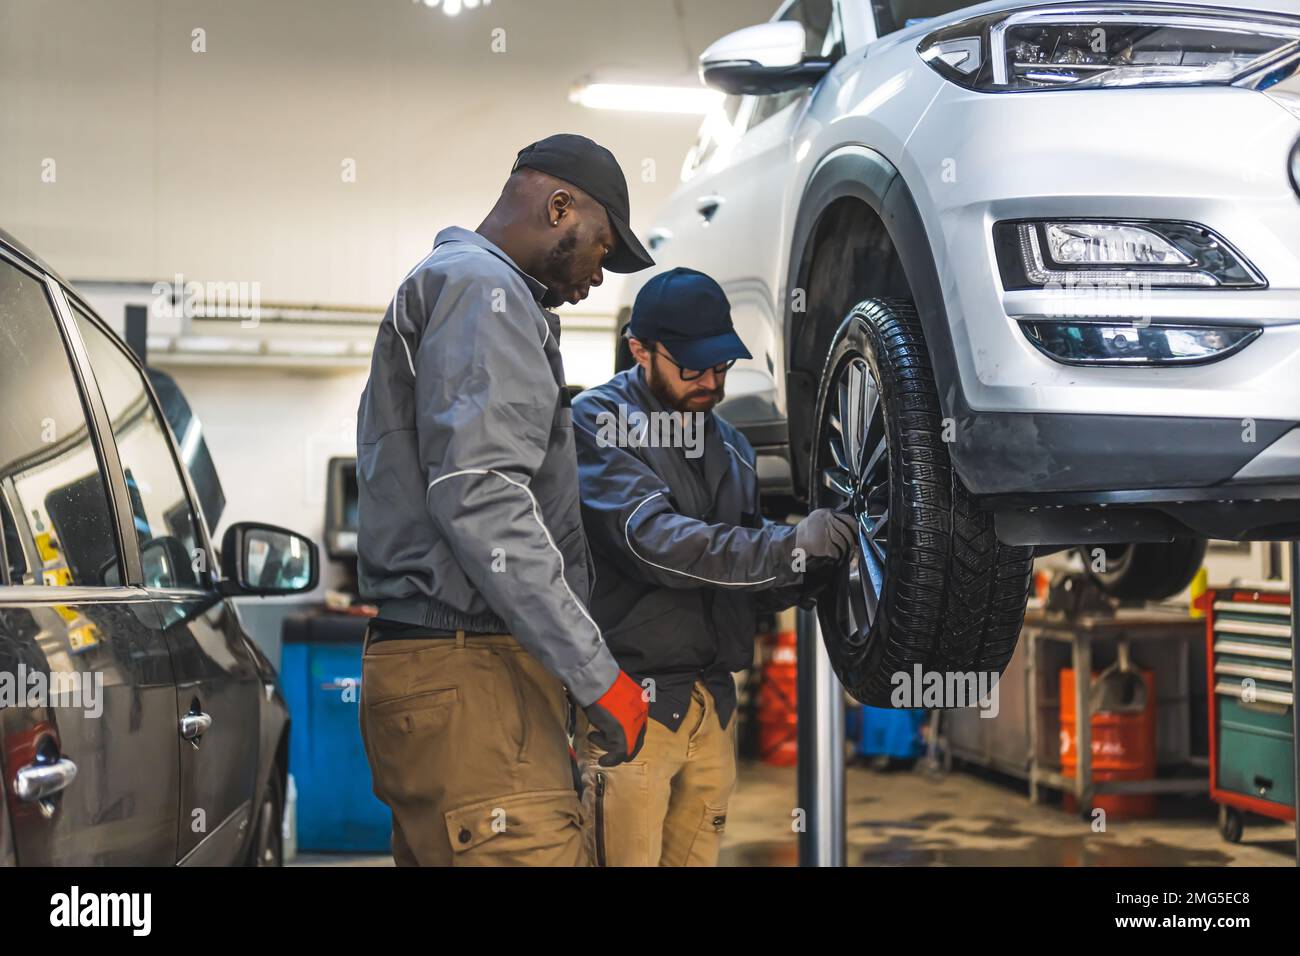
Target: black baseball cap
{"points": [[592, 168], [689, 313]]}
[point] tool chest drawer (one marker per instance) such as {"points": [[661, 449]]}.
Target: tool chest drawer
{"points": [[1250, 662]]}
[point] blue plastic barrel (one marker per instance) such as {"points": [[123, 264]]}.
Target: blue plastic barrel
{"points": [[320, 671]]}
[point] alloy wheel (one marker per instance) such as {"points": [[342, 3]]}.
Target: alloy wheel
{"points": [[855, 479]]}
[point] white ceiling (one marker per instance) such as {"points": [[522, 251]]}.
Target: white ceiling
{"points": [[226, 165]]}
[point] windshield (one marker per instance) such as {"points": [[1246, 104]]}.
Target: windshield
{"points": [[893, 15]]}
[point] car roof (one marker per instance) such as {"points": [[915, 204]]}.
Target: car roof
{"points": [[24, 252]]}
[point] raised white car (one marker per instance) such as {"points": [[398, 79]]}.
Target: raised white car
{"points": [[1016, 277]]}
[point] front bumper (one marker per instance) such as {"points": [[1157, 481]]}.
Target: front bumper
{"points": [[1164, 477], [1148, 515], [1027, 425]]}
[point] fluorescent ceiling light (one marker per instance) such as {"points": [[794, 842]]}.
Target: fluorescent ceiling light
{"points": [[646, 99], [453, 7]]}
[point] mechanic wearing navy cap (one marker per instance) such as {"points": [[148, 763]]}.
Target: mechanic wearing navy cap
{"points": [[670, 503]]}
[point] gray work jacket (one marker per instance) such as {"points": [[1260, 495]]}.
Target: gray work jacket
{"points": [[468, 505], [686, 558]]}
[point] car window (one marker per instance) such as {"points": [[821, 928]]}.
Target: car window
{"points": [[823, 38], [54, 507], [188, 432], [821, 27], [718, 127], [164, 520], [893, 15]]}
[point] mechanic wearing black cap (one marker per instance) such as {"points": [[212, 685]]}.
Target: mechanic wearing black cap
{"points": [[470, 538], [670, 503]]}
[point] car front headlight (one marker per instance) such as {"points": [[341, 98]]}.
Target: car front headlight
{"points": [[1135, 254], [1115, 45]]}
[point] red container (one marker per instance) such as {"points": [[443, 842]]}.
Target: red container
{"points": [[1123, 748], [778, 722]]}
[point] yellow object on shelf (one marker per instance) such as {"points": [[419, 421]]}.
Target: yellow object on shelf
{"points": [[47, 547], [1200, 584]]}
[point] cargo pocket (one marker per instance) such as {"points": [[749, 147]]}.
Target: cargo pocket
{"points": [[535, 828], [707, 842]]}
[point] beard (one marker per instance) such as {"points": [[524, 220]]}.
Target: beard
{"points": [[558, 269], [657, 380]]}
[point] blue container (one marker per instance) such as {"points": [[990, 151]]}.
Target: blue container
{"points": [[320, 671], [889, 731]]}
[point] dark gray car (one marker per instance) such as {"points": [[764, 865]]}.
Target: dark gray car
{"points": [[138, 722]]}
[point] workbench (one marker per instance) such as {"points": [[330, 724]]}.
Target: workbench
{"points": [[1141, 629]]}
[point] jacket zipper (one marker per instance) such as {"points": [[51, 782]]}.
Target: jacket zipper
{"points": [[600, 818]]}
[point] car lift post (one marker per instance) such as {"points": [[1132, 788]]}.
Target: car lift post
{"points": [[821, 750], [1295, 684]]}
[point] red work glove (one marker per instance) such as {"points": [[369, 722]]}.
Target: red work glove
{"points": [[619, 718]]}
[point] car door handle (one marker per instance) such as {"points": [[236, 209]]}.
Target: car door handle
{"points": [[194, 726], [707, 206], [37, 782]]}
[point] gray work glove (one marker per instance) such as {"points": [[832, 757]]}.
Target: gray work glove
{"points": [[826, 535]]}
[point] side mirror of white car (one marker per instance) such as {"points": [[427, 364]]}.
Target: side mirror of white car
{"points": [[767, 58]]}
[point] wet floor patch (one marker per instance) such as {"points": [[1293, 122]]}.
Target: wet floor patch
{"points": [[942, 849]]}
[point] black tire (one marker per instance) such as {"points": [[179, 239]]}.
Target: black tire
{"points": [[266, 843], [1231, 823], [951, 596], [1148, 571]]}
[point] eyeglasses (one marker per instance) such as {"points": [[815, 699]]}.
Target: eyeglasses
{"points": [[690, 374]]}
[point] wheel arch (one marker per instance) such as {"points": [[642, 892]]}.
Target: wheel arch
{"points": [[858, 234]]}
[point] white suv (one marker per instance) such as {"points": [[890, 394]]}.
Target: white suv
{"points": [[1016, 277]]}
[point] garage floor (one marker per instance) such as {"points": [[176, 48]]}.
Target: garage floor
{"points": [[906, 818]]}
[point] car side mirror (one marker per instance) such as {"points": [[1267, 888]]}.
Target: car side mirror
{"points": [[762, 59], [262, 559]]}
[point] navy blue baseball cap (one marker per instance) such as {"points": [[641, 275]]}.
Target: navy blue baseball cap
{"points": [[689, 313]]}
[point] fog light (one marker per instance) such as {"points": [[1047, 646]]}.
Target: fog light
{"points": [[1295, 167], [1036, 254], [1118, 343], [1104, 243]]}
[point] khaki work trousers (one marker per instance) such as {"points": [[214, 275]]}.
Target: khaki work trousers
{"points": [[668, 807], [467, 744]]}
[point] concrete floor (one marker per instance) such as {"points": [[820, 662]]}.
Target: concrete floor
{"points": [[907, 818]]}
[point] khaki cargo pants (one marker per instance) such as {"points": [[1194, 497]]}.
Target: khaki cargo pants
{"points": [[668, 807], [467, 744]]}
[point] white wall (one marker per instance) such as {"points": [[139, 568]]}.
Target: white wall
{"points": [[270, 432], [226, 165]]}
